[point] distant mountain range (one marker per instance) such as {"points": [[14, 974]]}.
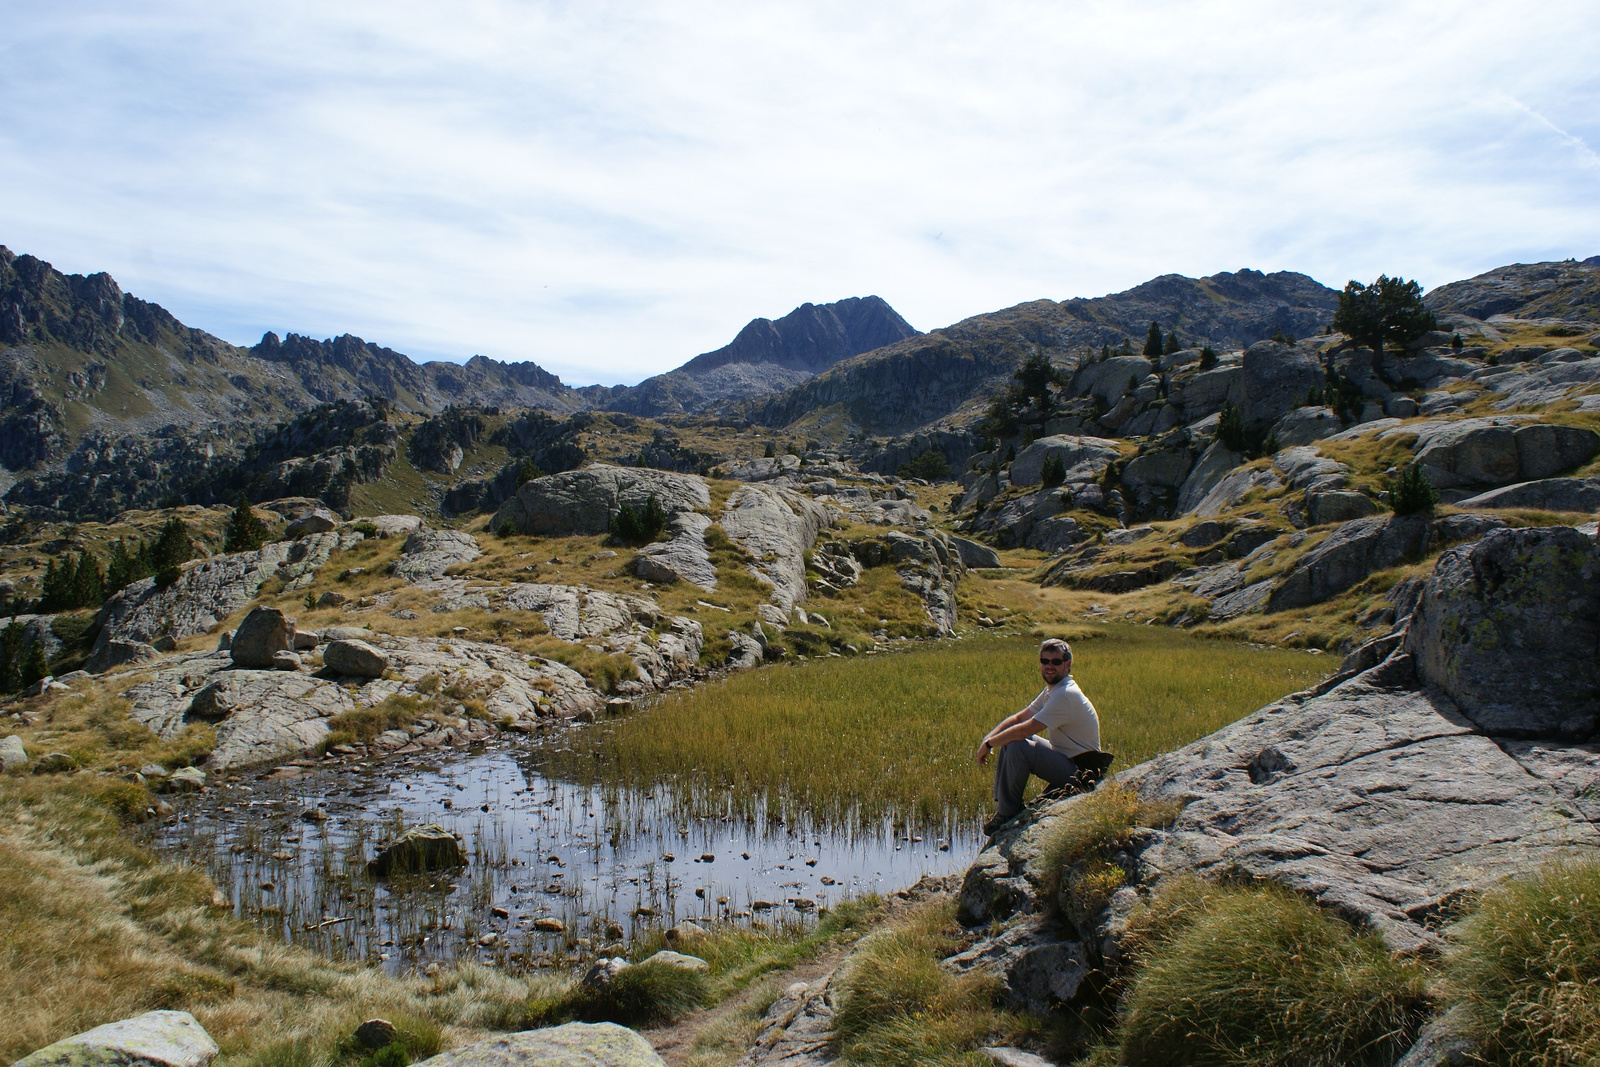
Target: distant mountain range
{"points": [[94, 379]]}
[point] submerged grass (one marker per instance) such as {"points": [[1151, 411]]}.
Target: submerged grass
{"points": [[895, 733]]}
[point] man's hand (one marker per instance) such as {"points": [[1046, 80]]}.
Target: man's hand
{"points": [[982, 755]]}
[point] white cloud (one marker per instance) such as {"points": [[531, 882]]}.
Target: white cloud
{"points": [[610, 189]]}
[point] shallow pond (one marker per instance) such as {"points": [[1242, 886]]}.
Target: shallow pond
{"points": [[610, 864]]}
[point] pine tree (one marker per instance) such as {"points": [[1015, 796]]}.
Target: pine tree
{"points": [[88, 582], [33, 665], [1230, 428], [55, 591], [172, 546], [1208, 358], [245, 532], [1152, 340], [123, 568], [1412, 493], [1172, 346], [11, 658]]}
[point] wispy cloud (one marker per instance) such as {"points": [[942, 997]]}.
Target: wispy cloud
{"points": [[609, 189]]}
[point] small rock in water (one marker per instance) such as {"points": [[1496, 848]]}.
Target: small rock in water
{"points": [[707, 857], [500, 913], [762, 905], [803, 903], [668, 858], [268, 887], [550, 926], [826, 880], [314, 815], [685, 932], [644, 911], [422, 848], [811, 863], [489, 940], [282, 855]]}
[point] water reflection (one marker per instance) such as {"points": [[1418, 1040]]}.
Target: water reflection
{"points": [[559, 872]]}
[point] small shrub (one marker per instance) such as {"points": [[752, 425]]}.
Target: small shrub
{"points": [[638, 526], [1208, 358], [931, 466], [1527, 969], [505, 530], [1412, 493], [1230, 428], [1053, 472], [365, 528], [1262, 976]]}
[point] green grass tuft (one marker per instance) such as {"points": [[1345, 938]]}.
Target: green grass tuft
{"points": [[1083, 840], [1261, 976], [1527, 968]]}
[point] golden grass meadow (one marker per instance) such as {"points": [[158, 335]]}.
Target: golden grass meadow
{"points": [[894, 734]]}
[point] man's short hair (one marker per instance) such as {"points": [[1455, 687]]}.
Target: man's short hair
{"points": [[1055, 644]]}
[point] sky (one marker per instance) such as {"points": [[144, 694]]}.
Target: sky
{"points": [[609, 189]]}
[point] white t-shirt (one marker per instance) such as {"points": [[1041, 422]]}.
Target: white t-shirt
{"points": [[1071, 722]]}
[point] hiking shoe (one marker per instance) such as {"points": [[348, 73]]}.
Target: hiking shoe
{"points": [[995, 822]]}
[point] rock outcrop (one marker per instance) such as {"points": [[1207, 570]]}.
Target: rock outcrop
{"points": [[584, 501], [429, 553], [682, 557], [776, 527]]}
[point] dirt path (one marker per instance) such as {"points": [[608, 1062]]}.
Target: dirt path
{"points": [[675, 1042]]}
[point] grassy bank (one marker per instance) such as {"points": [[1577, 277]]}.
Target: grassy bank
{"points": [[894, 733]]}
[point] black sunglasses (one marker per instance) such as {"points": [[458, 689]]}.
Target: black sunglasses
{"points": [[1052, 662]]}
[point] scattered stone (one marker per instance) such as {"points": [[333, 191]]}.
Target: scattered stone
{"points": [[422, 848], [550, 926], [153, 770], [376, 1033], [263, 632], [55, 763], [186, 780], [111, 654], [568, 1045], [1006, 1056], [686, 932], [13, 756], [154, 1039], [331, 599], [318, 520], [668, 958], [355, 659], [285, 661], [306, 640]]}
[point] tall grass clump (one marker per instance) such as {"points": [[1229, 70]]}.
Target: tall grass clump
{"points": [[1082, 842], [899, 1008], [1257, 975], [1527, 969], [893, 734], [649, 994]]}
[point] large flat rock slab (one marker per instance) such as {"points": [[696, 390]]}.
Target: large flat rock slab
{"points": [[569, 1045], [583, 501], [1378, 798]]}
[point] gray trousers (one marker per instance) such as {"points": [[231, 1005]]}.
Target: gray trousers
{"points": [[1019, 759]]}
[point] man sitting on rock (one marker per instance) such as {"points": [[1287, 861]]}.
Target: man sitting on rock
{"points": [[1073, 729]]}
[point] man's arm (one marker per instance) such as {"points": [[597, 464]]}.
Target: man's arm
{"points": [[1013, 728]]}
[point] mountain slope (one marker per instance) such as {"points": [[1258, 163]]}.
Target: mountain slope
{"points": [[767, 356], [1569, 289], [91, 376], [923, 379]]}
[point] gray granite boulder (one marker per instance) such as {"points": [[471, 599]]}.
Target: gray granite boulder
{"points": [[263, 632], [975, 554], [13, 756], [1108, 379], [567, 1045], [1508, 627], [396, 525], [428, 553], [154, 1039], [315, 521], [682, 557], [1231, 489], [1498, 450], [1212, 466], [797, 1030], [1546, 494], [584, 501], [354, 659], [1039, 970]]}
